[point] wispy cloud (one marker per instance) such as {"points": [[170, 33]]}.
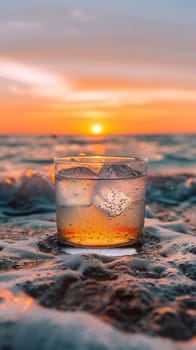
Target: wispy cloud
{"points": [[22, 24], [141, 71], [38, 82], [80, 15], [107, 98]]}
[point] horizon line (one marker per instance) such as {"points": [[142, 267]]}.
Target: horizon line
{"points": [[100, 135]]}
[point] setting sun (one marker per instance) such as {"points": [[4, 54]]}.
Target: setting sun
{"points": [[96, 129]]}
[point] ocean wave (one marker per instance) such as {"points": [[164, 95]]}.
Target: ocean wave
{"points": [[33, 192], [171, 190]]}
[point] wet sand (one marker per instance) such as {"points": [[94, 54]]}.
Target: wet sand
{"points": [[91, 301]]}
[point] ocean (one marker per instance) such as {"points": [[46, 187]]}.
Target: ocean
{"points": [[166, 153], [27, 175]]}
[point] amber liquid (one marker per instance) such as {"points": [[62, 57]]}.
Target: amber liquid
{"points": [[88, 226], [100, 213]]}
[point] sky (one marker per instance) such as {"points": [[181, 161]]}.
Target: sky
{"points": [[126, 66]]}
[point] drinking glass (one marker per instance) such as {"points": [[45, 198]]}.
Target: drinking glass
{"points": [[100, 200]]}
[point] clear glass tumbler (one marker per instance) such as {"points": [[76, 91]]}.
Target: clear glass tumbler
{"points": [[100, 200]]}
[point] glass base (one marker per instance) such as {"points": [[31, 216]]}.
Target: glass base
{"points": [[120, 250], [100, 251]]}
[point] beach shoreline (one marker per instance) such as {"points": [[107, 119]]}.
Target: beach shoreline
{"points": [[84, 301]]}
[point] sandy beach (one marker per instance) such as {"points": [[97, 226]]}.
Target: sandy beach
{"points": [[142, 299]]}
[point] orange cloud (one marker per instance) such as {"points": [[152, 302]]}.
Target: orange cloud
{"points": [[51, 86]]}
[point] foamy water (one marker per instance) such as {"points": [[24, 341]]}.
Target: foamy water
{"points": [[141, 299]]}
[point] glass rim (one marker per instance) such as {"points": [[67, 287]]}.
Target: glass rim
{"points": [[105, 159]]}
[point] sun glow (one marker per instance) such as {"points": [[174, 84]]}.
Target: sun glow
{"points": [[96, 129]]}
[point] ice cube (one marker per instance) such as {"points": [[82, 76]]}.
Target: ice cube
{"points": [[127, 180], [114, 196], [110, 198], [79, 172], [74, 192], [114, 171], [73, 187]]}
